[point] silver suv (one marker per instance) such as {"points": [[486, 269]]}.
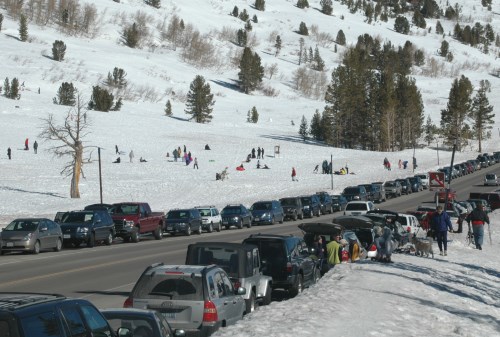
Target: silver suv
{"points": [[196, 299], [210, 218]]}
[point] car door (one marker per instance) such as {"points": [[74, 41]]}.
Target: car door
{"points": [[98, 226], [53, 233], [233, 303], [300, 253], [43, 234]]}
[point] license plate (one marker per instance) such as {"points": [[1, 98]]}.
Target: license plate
{"points": [[168, 315], [10, 244], [257, 219], [169, 228], [225, 222], [66, 236]]}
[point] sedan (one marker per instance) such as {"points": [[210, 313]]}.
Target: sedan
{"points": [[139, 323], [31, 235]]}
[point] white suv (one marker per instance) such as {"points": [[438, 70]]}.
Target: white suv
{"points": [[358, 207], [425, 179], [210, 218], [409, 222]]}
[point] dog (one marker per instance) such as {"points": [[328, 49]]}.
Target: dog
{"points": [[422, 246]]}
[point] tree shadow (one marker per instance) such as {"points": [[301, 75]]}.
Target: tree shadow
{"points": [[225, 84], [294, 139], [55, 195], [181, 118], [13, 37], [105, 293]]}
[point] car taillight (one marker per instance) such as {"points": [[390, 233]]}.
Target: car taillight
{"points": [[373, 248], [289, 267], [209, 312], [129, 303]]}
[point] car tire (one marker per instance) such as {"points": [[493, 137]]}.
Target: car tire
{"points": [[109, 239], [36, 248], [295, 216], [199, 230], [158, 233], [301, 217], [282, 219], [227, 227], [317, 275], [91, 242], [58, 246], [266, 300], [135, 237], [250, 303], [297, 287], [210, 228], [188, 230], [249, 225], [273, 221], [219, 227], [240, 224]]}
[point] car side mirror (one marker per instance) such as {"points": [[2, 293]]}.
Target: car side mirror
{"points": [[124, 332], [241, 291]]}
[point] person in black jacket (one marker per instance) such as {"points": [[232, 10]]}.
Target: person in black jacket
{"points": [[478, 218]]}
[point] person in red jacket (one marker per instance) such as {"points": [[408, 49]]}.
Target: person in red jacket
{"points": [[26, 144], [294, 174], [478, 218]]}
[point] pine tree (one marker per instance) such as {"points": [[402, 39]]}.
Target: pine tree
{"points": [[340, 38], [253, 115], [277, 45], [1, 21], [200, 100], [260, 5], [443, 51], [14, 89], [302, 4], [23, 28], [6, 87], [254, 19], [401, 25], [251, 71], [303, 29], [117, 79], [418, 19], [316, 127], [318, 64], [235, 12], [244, 15], [303, 130], [439, 28], [154, 3], [429, 131], [66, 95], [58, 50], [481, 114], [168, 108], [326, 7], [301, 50], [101, 99], [419, 57], [241, 36], [248, 26], [130, 36]]}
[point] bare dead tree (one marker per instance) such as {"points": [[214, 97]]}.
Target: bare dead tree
{"points": [[69, 138]]}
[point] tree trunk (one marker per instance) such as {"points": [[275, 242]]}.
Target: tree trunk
{"points": [[77, 168]]}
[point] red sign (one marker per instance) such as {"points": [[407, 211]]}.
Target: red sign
{"points": [[436, 180]]}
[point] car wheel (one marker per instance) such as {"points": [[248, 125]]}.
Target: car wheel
{"points": [[188, 230], [227, 227], [219, 227], [295, 217], [250, 303], [135, 237], [210, 228], [317, 275], [158, 233], [58, 246], [266, 300], [273, 221], [282, 219], [298, 286], [109, 239], [301, 217], [249, 224], [91, 242], [240, 224], [199, 230], [36, 248]]}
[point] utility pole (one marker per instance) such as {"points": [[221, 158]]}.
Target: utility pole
{"points": [[331, 168], [100, 175], [450, 174]]}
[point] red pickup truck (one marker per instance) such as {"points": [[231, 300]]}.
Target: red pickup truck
{"points": [[133, 219]]}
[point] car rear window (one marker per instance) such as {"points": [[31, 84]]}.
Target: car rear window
{"points": [[268, 248], [170, 286], [178, 215], [356, 207], [231, 210], [262, 206], [288, 202], [225, 258], [351, 190], [77, 217]]}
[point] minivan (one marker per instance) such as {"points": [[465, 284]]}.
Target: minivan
{"points": [[267, 212], [355, 193]]}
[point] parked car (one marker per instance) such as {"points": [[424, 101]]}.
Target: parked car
{"points": [[292, 207], [355, 193], [363, 228], [44, 315], [287, 260], [424, 179], [31, 235], [196, 299], [358, 207], [185, 221], [490, 179], [133, 219], [236, 215], [376, 192], [140, 322], [338, 202], [92, 207], [416, 184], [326, 202], [242, 264], [88, 227], [405, 185], [393, 188], [409, 222], [311, 205], [210, 218], [267, 212], [399, 233], [493, 198], [441, 195]]}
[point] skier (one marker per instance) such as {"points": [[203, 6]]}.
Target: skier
{"points": [[26, 144], [35, 147], [294, 174], [9, 153], [131, 155]]}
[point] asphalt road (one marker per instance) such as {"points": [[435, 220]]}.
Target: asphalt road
{"points": [[105, 274]]}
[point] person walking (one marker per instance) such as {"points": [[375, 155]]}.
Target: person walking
{"points": [[262, 153], [294, 174], [131, 156], [441, 223], [478, 217], [26, 144], [400, 163], [9, 153], [35, 147], [195, 165], [258, 153], [332, 251], [116, 150]]}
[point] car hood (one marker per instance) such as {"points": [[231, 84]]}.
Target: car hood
{"points": [[353, 221], [14, 235], [74, 224], [260, 212], [321, 228]]}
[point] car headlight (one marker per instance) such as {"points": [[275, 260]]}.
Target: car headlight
{"points": [[82, 230], [27, 237], [356, 197], [235, 218], [127, 223], [182, 224], [306, 208]]}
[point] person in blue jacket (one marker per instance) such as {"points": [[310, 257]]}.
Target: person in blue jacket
{"points": [[441, 223]]}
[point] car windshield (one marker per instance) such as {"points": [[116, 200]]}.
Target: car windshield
{"points": [[231, 210], [125, 209], [77, 217], [205, 211], [22, 226], [178, 215], [368, 188], [351, 190], [288, 202], [170, 286], [490, 176], [390, 184], [356, 207], [261, 206], [306, 201], [226, 258]]}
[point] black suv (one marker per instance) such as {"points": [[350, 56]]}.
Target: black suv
{"points": [[311, 205], [46, 315], [355, 193], [326, 202], [86, 227], [184, 221], [236, 215], [338, 202], [287, 260], [375, 192], [292, 207]]}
